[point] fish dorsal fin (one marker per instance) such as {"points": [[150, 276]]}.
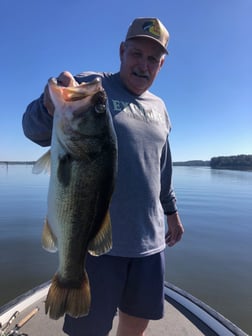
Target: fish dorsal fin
{"points": [[49, 240], [43, 164], [102, 242]]}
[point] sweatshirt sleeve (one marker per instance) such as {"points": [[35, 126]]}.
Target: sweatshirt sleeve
{"points": [[37, 123], [167, 194]]}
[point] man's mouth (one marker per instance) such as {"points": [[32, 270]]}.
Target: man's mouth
{"points": [[139, 75]]}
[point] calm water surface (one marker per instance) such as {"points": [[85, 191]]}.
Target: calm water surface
{"points": [[213, 261]]}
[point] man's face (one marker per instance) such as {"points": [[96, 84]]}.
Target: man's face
{"points": [[141, 60]]}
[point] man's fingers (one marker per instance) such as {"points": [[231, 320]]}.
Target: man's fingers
{"points": [[47, 101], [174, 237], [64, 79]]}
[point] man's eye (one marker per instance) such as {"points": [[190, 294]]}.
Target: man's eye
{"points": [[137, 54], [153, 60]]}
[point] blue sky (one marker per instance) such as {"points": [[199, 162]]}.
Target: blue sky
{"points": [[206, 81]]}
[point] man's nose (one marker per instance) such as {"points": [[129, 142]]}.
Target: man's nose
{"points": [[143, 64]]}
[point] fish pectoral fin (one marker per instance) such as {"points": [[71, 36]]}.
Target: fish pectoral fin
{"points": [[43, 164], [102, 242], [49, 240]]}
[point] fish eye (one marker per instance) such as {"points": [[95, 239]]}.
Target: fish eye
{"points": [[100, 108]]}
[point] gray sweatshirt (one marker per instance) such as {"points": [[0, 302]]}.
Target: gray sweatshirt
{"points": [[143, 192]]}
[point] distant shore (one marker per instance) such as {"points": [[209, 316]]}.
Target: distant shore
{"points": [[17, 162], [234, 162], [192, 163], [195, 163]]}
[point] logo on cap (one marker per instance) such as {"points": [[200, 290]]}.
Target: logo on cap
{"points": [[152, 27]]}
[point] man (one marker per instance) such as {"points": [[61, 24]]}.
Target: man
{"points": [[131, 276]]}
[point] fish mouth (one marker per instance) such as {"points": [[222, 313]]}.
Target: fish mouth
{"points": [[81, 91], [98, 102]]}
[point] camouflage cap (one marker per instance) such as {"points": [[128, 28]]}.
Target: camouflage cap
{"points": [[151, 28]]}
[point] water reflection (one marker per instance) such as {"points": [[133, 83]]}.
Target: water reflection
{"points": [[213, 261]]}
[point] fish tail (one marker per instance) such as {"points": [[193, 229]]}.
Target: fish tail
{"points": [[75, 301], [79, 299]]}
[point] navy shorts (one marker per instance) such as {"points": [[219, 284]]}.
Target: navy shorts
{"points": [[135, 285]]}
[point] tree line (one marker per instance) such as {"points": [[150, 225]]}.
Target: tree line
{"points": [[232, 162]]}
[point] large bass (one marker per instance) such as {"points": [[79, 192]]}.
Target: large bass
{"points": [[83, 165]]}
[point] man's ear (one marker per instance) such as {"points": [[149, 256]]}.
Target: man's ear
{"points": [[162, 62], [122, 49]]}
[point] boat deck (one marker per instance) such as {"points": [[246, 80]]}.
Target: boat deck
{"points": [[177, 322], [184, 316]]}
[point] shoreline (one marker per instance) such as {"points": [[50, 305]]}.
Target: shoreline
{"points": [[193, 164]]}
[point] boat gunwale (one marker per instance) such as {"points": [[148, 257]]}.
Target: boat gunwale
{"points": [[208, 315], [185, 301], [22, 301]]}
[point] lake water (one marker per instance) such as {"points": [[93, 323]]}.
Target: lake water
{"points": [[212, 262]]}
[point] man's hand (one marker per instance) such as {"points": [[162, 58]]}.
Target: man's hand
{"points": [[175, 229], [64, 79]]}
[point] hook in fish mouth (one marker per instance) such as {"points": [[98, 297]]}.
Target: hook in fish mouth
{"points": [[99, 100], [100, 108]]}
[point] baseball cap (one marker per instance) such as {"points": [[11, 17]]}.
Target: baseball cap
{"points": [[151, 28]]}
